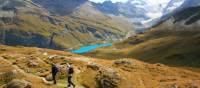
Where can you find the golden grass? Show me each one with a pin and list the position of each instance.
(175, 48)
(142, 75)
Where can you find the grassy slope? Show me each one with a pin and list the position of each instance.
(177, 48)
(169, 43)
(141, 75)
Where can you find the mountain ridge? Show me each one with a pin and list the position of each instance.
(57, 32)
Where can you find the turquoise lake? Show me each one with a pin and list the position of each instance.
(89, 48)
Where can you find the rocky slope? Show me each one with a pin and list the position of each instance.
(173, 42)
(30, 67)
(43, 24)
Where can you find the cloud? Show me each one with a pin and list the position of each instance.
(157, 2)
(154, 15)
(100, 1)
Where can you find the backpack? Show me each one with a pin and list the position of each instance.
(55, 70)
(70, 70)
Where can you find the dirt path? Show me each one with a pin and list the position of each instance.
(63, 84)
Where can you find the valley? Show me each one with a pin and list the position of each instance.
(132, 44)
(175, 42)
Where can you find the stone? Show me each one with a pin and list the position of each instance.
(189, 85)
(124, 64)
(94, 66)
(32, 63)
(51, 57)
(18, 84)
(43, 72)
(8, 76)
(49, 77)
(159, 65)
(108, 78)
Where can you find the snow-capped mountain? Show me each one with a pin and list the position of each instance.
(139, 12)
(172, 5)
(161, 12)
(145, 13)
(190, 3)
(175, 6)
(127, 9)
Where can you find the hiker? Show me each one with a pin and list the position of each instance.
(54, 71)
(70, 71)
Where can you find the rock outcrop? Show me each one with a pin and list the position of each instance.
(124, 64)
(94, 66)
(18, 84)
(108, 78)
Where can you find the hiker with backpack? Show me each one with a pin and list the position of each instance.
(70, 71)
(54, 71)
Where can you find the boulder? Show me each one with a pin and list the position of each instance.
(159, 65)
(125, 64)
(8, 76)
(43, 72)
(49, 77)
(18, 84)
(51, 57)
(32, 63)
(94, 66)
(169, 85)
(108, 78)
(189, 85)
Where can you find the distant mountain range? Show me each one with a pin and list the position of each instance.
(141, 13)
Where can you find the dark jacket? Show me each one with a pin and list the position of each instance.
(54, 70)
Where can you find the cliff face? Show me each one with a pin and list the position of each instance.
(43, 23)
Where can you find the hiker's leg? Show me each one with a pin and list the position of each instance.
(54, 78)
(68, 80)
(72, 82)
